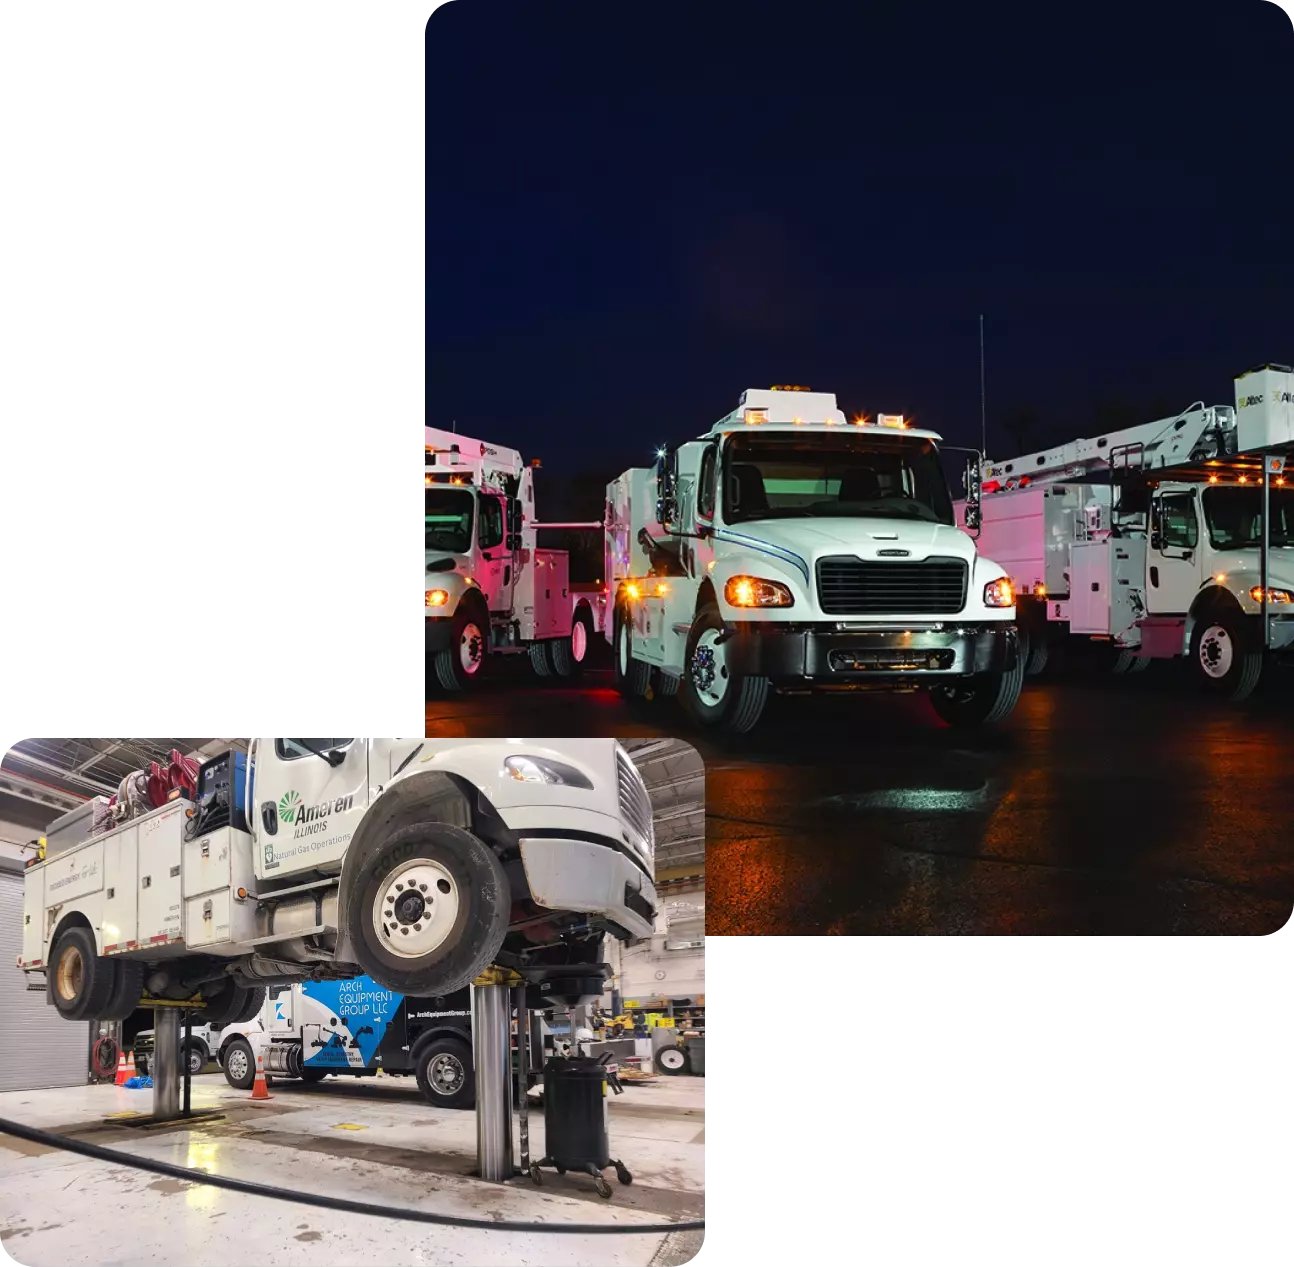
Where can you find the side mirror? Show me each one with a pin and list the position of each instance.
(1156, 541)
(972, 516)
(666, 488)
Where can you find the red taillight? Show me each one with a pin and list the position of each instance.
(990, 486)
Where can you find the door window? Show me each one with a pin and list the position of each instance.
(491, 529)
(293, 749)
(1179, 529)
(705, 485)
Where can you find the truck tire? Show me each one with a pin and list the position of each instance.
(196, 1054)
(461, 663)
(228, 1003)
(1223, 658)
(981, 700)
(239, 1063)
(81, 980)
(1126, 660)
(712, 695)
(427, 908)
(632, 676)
(539, 659)
(311, 1075)
(571, 654)
(125, 995)
(1039, 652)
(446, 1078)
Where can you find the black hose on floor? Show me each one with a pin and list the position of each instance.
(31, 1134)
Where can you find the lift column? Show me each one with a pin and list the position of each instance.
(492, 1057)
(167, 1068)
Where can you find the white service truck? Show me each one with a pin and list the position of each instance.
(1153, 539)
(791, 549)
(418, 862)
(489, 588)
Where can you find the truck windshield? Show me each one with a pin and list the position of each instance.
(1235, 516)
(449, 518)
(846, 474)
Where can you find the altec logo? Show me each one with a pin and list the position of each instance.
(1246, 401)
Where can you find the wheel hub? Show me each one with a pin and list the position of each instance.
(709, 669)
(237, 1061)
(416, 908)
(71, 973)
(471, 648)
(446, 1073)
(579, 641)
(1216, 652)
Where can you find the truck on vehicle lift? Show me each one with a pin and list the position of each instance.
(1172, 538)
(416, 862)
(789, 549)
(490, 589)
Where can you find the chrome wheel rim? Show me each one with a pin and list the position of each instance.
(709, 669)
(446, 1073)
(238, 1064)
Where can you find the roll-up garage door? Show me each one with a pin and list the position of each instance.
(40, 1049)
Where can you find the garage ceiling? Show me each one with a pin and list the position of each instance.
(675, 778)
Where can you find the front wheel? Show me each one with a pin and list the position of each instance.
(197, 1060)
(1222, 657)
(980, 700)
(461, 663)
(632, 676)
(427, 908)
(714, 693)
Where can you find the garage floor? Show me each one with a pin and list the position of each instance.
(374, 1140)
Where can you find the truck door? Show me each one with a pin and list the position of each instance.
(1173, 560)
(306, 806)
(496, 567)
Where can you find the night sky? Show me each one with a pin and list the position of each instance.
(634, 212)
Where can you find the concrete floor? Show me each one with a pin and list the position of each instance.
(375, 1140)
(1102, 805)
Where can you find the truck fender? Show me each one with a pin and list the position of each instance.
(1209, 600)
(427, 796)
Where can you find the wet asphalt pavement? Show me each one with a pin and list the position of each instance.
(1102, 805)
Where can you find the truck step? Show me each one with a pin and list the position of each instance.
(274, 894)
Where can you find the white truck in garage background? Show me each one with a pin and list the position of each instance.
(417, 862)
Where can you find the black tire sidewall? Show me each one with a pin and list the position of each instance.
(98, 976)
(480, 925)
(426, 1051)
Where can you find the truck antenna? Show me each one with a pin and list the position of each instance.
(983, 416)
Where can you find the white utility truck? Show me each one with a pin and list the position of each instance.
(418, 862)
(1154, 540)
(789, 549)
(489, 588)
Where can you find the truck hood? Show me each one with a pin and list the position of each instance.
(865, 538)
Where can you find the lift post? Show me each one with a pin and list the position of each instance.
(492, 1057)
(166, 1064)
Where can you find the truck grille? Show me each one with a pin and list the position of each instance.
(143, 1044)
(635, 805)
(856, 587)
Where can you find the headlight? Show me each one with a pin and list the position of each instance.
(999, 593)
(437, 598)
(1273, 596)
(754, 591)
(544, 770)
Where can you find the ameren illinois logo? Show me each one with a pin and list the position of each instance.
(312, 819)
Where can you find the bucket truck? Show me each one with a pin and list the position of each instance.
(417, 862)
(1171, 538)
(788, 549)
(489, 588)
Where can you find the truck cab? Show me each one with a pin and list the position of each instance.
(489, 588)
(790, 547)
(417, 862)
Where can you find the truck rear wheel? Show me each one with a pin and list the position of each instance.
(81, 979)
(459, 664)
(445, 1075)
(569, 655)
(539, 659)
(1222, 656)
(980, 700)
(632, 676)
(125, 995)
(228, 1003)
(712, 692)
(427, 908)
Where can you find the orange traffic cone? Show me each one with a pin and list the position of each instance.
(259, 1090)
(122, 1072)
